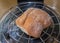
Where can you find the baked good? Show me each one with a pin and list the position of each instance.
(33, 21)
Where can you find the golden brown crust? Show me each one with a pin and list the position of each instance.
(22, 18)
(34, 21)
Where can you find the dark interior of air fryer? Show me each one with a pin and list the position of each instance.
(49, 35)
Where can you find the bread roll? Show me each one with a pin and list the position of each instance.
(33, 21)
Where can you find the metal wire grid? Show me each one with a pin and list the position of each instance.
(45, 32)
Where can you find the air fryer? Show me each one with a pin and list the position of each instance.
(10, 33)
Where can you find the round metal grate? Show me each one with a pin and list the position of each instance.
(49, 35)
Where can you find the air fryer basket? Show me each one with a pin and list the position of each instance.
(12, 34)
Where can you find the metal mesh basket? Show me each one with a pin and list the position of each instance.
(10, 33)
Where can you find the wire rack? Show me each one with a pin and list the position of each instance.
(12, 32)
